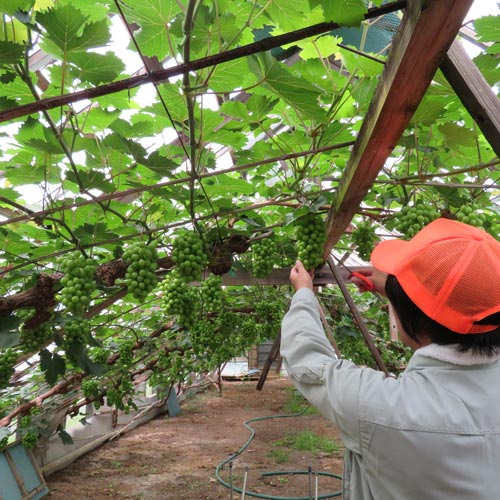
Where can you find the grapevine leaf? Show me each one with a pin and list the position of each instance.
(296, 92)
(97, 68)
(65, 437)
(488, 28)
(345, 12)
(53, 366)
(10, 53)
(9, 334)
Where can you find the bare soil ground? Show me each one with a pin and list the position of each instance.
(176, 458)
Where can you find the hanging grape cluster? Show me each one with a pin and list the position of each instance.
(189, 256)
(32, 339)
(365, 239)
(213, 297)
(140, 276)
(311, 236)
(78, 282)
(126, 350)
(413, 218)
(121, 396)
(90, 388)
(76, 336)
(30, 439)
(7, 359)
(178, 299)
(264, 257)
(470, 213)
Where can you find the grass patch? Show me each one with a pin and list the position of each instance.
(308, 441)
(278, 456)
(296, 403)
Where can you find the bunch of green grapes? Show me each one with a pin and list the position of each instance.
(470, 214)
(8, 357)
(269, 314)
(178, 299)
(32, 339)
(78, 282)
(413, 218)
(76, 333)
(264, 257)
(4, 442)
(100, 355)
(311, 236)
(189, 255)
(30, 439)
(365, 238)
(126, 350)
(90, 388)
(213, 296)
(140, 276)
(120, 397)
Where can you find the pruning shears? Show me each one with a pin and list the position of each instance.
(367, 281)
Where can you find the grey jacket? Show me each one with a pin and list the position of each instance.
(432, 433)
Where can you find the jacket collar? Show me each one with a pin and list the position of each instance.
(450, 354)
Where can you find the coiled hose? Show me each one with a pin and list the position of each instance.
(266, 474)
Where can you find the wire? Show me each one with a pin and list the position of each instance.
(268, 474)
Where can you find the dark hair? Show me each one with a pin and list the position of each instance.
(416, 323)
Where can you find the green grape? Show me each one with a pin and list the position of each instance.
(470, 213)
(189, 256)
(30, 439)
(78, 282)
(213, 296)
(126, 350)
(413, 218)
(178, 299)
(8, 357)
(140, 276)
(365, 239)
(264, 257)
(311, 236)
(90, 388)
(100, 355)
(32, 339)
(77, 333)
(3, 443)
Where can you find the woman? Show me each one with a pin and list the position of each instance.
(434, 432)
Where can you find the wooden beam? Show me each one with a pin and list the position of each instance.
(322, 276)
(474, 91)
(427, 30)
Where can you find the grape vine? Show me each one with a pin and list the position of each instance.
(365, 239)
(7, 359)
(78, 282)
(189, 256)
(264, 257)
(310, 235)
(140, 276)
(413, 218)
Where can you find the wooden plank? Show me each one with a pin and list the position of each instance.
(427, 30)
(322, 276)
(474, 92)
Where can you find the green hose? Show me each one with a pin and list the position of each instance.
(268, 497)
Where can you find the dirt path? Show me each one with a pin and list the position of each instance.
(176, 458)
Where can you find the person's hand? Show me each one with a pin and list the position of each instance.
(378, 278)
(300, 277)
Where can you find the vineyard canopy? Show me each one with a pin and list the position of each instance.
(146, 120)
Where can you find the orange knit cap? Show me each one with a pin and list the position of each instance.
(450, 270)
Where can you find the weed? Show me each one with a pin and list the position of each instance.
(308, 441)
(278, 456)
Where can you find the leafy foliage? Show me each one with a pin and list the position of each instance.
(230, 150)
